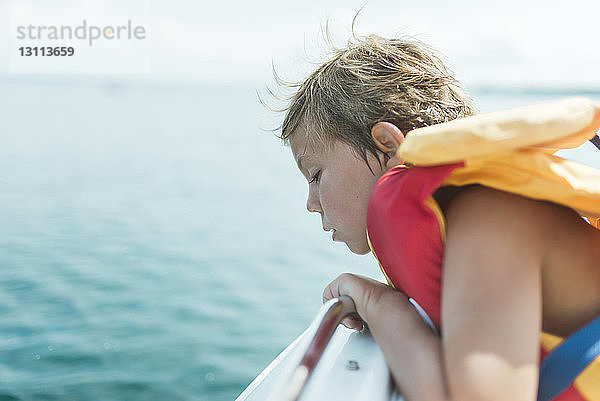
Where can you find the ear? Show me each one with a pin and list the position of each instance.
(388, 138)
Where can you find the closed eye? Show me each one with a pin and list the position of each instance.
(315, 177)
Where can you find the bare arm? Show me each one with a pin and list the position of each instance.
(491, 301)
(412, 350)
(491, 305)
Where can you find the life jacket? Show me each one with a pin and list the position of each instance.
(511, 151)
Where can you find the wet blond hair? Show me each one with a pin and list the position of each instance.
(401, 81)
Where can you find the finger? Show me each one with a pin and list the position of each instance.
(353, 323)
(327, 293)
(339, 286)
(332, 290)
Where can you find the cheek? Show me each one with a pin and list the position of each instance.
(342, 198)
(331, 195)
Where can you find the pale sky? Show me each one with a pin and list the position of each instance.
(512, 42)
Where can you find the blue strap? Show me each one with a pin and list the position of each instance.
(596, 140)
(567, 360)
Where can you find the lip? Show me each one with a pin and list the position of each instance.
(332, 232)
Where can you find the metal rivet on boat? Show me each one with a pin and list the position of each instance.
(352, 365)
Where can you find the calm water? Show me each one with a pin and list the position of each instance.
(153, 241)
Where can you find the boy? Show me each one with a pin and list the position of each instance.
(504, 257)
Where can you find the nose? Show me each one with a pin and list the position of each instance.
(313, 203)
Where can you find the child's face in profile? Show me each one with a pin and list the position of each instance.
(339, 188)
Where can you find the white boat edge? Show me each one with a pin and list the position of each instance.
(351, 368)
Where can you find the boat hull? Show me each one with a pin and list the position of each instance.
(352, 367)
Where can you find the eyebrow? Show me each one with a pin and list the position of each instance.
(299, 161)
(303, 157)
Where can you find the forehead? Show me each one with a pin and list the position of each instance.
(307, 144)
(303, 148)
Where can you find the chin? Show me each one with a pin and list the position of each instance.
(359, 249)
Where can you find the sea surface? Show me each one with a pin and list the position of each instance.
(154, 243)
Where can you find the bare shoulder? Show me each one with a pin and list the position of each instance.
(479, 213)
(511, 266)
(540, 234)
(509, 211)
